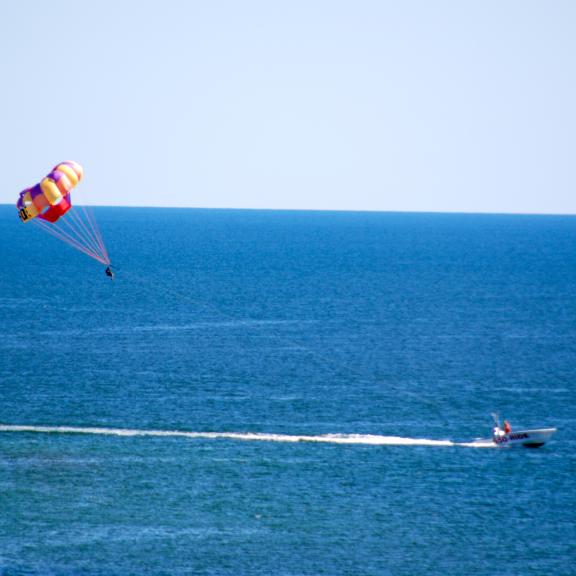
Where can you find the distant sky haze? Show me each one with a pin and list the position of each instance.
(368, 105)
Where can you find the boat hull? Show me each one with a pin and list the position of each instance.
(526, 438)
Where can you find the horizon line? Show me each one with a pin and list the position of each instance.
(343, 210)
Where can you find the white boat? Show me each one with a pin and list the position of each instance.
(528, 438)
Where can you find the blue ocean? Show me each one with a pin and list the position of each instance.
(289, 394)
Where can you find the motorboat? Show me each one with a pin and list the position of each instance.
(504, 437)
(528, 438)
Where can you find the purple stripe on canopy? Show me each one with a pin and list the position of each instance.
(35, 191)
(56, 175)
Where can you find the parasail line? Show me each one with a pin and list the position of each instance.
(60, 234)
(72, 228)
(96, 231)
(67, 239)
(83, 235)
(95, 244)
(94, 225)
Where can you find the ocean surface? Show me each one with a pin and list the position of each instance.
(288, 394)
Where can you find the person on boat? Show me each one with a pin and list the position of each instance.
(109, 272)
(507, 427)
(497, 432)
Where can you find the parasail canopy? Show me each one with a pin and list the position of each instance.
(49, 205)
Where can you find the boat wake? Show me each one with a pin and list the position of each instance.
(365, 439)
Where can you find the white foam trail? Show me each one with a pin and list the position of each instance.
(367, 439)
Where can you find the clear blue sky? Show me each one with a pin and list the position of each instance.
(361, 105)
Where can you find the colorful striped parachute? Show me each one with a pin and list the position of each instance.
(49, 204)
